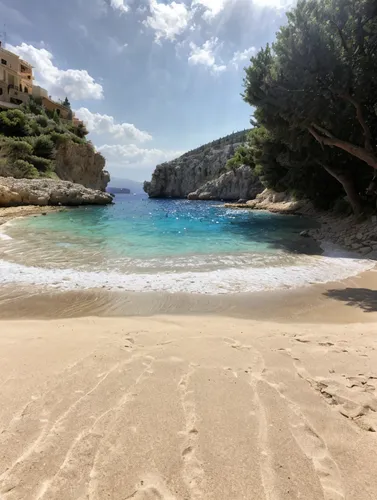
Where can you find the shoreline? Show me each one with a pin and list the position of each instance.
(346, 231)
(10, 213)
(113, 298)
(351, 300)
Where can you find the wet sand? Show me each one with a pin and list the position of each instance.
(266, 396)
(347, 301)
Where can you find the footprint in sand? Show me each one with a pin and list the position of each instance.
(151, 487)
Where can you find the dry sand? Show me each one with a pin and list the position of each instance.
(187, 408)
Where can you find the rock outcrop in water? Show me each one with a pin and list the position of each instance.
(80, 163)
(42, 192)
(202, 174)
(232, 185)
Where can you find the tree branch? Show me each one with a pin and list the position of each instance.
(325, 140)
(323, 131)
(360, 116)
(340, 33)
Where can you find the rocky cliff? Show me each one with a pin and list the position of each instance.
(230, 186)
(79, 163)
(186, 174)
(43, 192)
(178, 178)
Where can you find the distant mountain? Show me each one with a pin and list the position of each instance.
(133, 186)
(115, 190)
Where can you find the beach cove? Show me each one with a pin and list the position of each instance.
(267, 394)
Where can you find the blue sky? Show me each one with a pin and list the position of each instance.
(152, 78)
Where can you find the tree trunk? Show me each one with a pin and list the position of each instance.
(349, 187)
(363, 154)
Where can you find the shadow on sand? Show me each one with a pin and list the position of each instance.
(365, 298)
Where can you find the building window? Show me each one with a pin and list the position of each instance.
(3, 61)
(1, 91)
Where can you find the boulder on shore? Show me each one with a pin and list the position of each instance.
(42, 192)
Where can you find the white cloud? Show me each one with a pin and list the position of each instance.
(205, 55)
(167, 20)
(75, 83)
(213, 7)
(132, 156)
(241, 57)
(119, 5)
(105, 124)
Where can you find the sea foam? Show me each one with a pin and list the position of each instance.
(225, 281)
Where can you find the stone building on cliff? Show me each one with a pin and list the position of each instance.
(16, 86)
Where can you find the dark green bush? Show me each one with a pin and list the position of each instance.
(44, 147)
(23, 168)
(43, 165)
(17, 150)
(42, 120)
(14, 123)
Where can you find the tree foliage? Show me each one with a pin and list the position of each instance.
(315, 94)
(66, 103)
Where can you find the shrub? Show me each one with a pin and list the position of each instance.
(22, 168)
(14, 123)
(56, 117)
(59, 138)
(77, 140)
(44, 147)
(81, 130)
(18, 150)
(43, 165)
(42, 120)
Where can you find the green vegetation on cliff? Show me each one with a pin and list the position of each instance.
(234, 138)
(29, 138)
(315, 97)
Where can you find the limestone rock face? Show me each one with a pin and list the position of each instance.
(178, 178)
(79, 163)
(230, 186)
(14, 192)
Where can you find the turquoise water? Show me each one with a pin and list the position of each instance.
(143, 244)
(143, 229)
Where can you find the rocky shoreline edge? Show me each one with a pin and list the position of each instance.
(46, 192)
(349, 232)
(28, 197)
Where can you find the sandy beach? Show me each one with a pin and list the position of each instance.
(158, 396)
(193, 406)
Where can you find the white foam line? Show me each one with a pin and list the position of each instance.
(230, 280)
(4, 236)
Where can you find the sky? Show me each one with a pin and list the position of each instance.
(151, 78)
